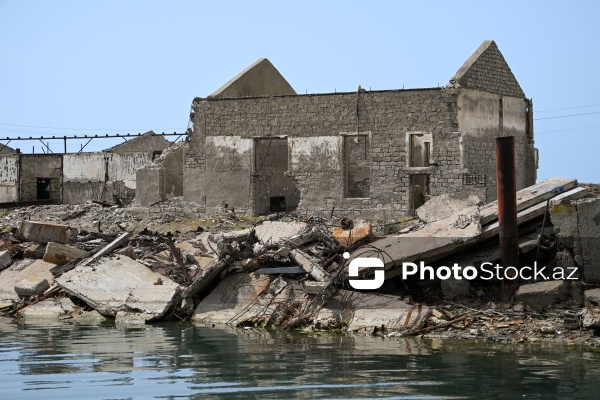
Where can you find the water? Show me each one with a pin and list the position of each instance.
(181, 361)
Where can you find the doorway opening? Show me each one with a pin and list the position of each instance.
(43, 189)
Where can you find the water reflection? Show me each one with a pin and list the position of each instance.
(185, 361)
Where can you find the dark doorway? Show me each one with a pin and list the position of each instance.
(419, 191)
(43, 189)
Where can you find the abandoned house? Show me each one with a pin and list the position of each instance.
(78, 177)
(259, 147)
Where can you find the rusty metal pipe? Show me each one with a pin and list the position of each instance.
(506, 180)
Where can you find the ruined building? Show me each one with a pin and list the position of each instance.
(260, 147)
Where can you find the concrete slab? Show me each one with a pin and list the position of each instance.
(538, 296)
(532, 195)
(11, 276)
(52, 309)
(443, 206)
(31, 286)
(61, 254)
(276, 231)
(35, 250)
(121, 284)
(43, 232)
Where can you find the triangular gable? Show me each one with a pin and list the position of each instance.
(259, 79)
(487, 70)
(148, 142)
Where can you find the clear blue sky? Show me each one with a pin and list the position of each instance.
(132, 66)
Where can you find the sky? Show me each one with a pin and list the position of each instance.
(107, 67)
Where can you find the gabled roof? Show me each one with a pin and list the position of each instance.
(487, 70)
(6, 149)
(259, 79)
(148, 142)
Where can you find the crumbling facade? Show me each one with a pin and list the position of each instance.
(78, 177)
(259, 147)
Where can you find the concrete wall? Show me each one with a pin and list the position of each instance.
(9, 178)
(34, 166)
(484, 116)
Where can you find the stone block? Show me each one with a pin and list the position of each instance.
(42, 232)
(35, 250)
(61, 254)
(31, 286)
(538, 296)
(5, 259)
(13, 275)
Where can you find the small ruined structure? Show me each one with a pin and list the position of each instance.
(259, 147)
(74, 178)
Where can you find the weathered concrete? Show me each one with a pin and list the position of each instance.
(310, 265)
(121, 284)
(276, 231)
(35, 250)
(444, 205)
(147, 143)
(31, 286)
(43, 232)
(238, 297)
(538, 296)
(9, 178)
(577, 224)
(348, 237)
(261, 78)
(11, 276)
(593, 296)
(50, 309)
(61, 254)
(5, 259)
(351, 153)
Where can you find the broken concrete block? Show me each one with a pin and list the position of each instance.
(5, 259)
(13, 275)
(132, 318)
(347, 237)
(35, 250)
(452, 288)
(593, 296)
(42, 232)
(61, 254)
(311, 265)
(126, 251)
(538, 296)
(443, 206)
(121, 283)
(591, 318)
(577, 224)
(52, 309)
(276, 231)
(31, 286)
(283, 251)
(88, 318)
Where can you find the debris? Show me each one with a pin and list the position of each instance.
(35, 250)
(42, 232)
(109, 248)
(122, 284)
(348, 237)
(17, 272)
(310, 265)
(538, 296)
(443, 206)
(276, 231)
(61, 254)
(5, 259)
(50, 309)
(31, 285)
(592, 296)
(280, 270)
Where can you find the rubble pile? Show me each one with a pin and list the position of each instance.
(291, 272)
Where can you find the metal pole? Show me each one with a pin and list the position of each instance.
(506, 179)
(506, 182)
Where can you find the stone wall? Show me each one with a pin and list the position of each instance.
(315, 125)
(9, 178)
(35, 167)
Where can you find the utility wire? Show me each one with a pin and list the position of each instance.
(82, 129)
(568, 108)
(566, 116)
(569, 129)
